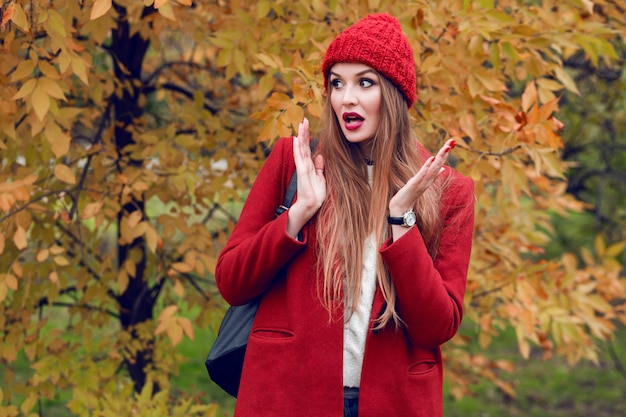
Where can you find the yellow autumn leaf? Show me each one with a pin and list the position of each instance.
(529, 97)
(296, 115)
(48, 70)
(122, 281)
(279, 101)
(612, 251)
(63, 173)
(152, 238)
(159, 3)
(59, 141)
(61, 260)
(565, 79)
(167, 11)
(26, 89)
(24, 69)
(28, 403)
(40, 101)
(80, 69)
(99, 9)
(182, 267)
(19, 238)
(51, 88)
(19, 18)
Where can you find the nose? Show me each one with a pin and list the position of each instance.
(349, 96)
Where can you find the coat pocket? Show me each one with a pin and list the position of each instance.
(272, 334)
(422, 367)
(422, 362)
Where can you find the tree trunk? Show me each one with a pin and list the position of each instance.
(137, 302)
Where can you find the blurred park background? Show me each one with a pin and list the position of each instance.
(131, 131)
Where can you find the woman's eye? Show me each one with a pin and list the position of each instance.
(366, 82)
(336, 83)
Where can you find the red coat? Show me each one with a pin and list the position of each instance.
(294, 359)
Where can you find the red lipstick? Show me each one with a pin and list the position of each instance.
(352, 121)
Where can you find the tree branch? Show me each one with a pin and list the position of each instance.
(32, 201)
(491, 153)
(189, 95)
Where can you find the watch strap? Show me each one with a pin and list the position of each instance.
(395, 220)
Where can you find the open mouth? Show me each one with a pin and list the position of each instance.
(352, 121)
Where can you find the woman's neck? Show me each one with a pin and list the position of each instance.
(367, 149)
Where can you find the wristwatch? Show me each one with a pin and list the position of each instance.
(407, 220)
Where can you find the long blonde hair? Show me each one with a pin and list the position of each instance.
(353, 210)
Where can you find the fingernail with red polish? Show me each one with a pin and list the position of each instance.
(447, 149)
(452, 144)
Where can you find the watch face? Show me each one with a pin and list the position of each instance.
(409, 218)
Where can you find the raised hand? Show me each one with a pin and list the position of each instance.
(408, 195)
(311, 182)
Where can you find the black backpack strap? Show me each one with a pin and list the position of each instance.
(290, 194)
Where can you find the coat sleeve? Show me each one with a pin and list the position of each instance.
(430, 293)
(259, 246)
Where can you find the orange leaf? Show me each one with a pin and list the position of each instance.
(100, 7)
(42, 255)
(178, 288)
(279, 101)
(92, 209)
(529, 97)
(185, 324)
(8, 14)
(19, 238)
(11, 281)
(64, 173)
(175, 333)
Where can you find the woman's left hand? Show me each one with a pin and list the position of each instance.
(407, 196)
(311, 182)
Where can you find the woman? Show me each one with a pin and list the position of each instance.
(363, 278)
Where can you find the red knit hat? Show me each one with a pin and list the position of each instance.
(376, 41)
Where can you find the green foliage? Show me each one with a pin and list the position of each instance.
(127, 129)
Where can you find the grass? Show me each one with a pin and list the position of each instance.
(549, 388)
(193, 376)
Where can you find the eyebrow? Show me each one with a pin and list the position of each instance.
(358, 74)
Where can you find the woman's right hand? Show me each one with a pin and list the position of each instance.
(311, 182)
